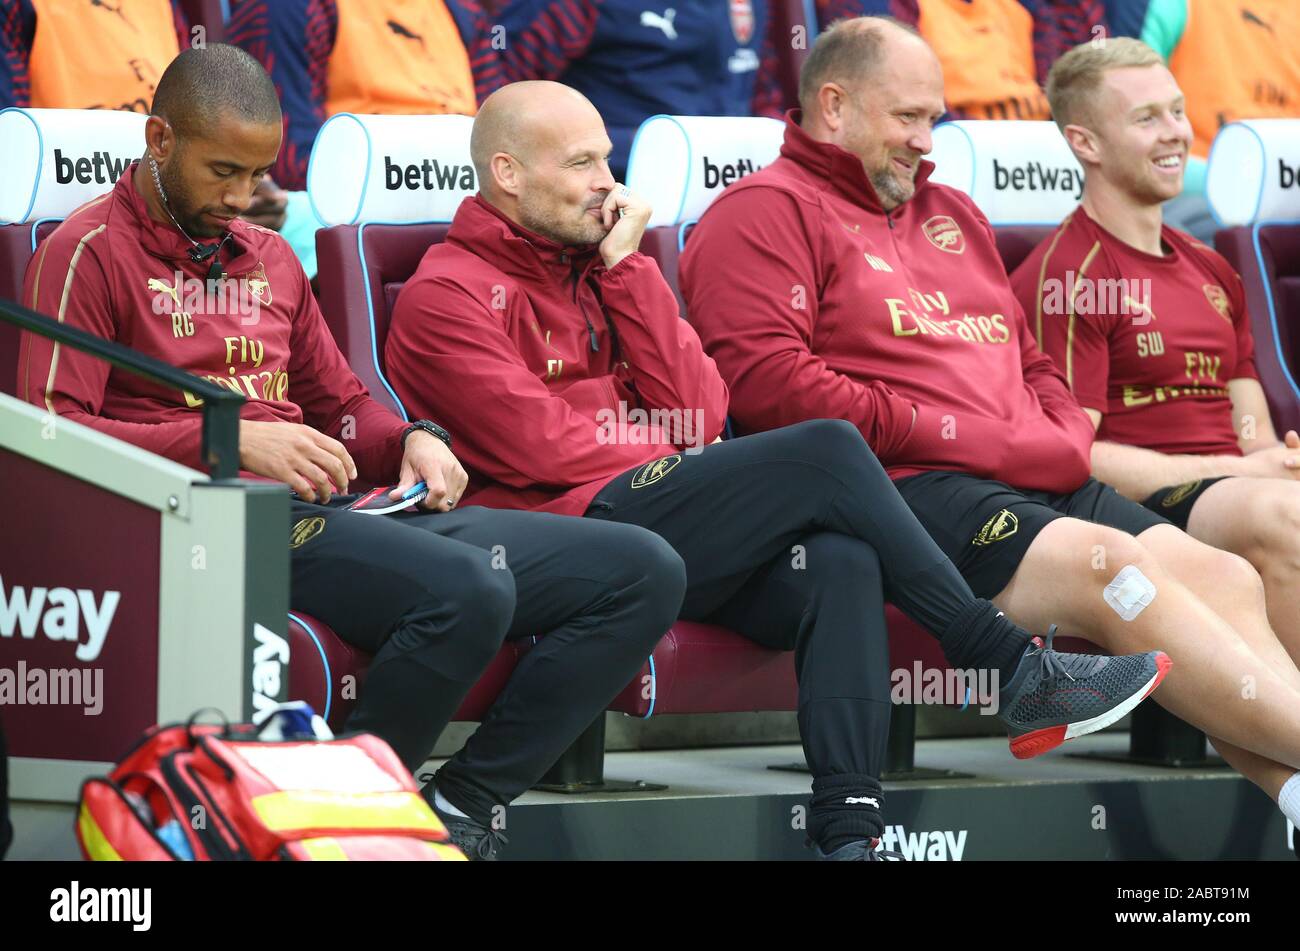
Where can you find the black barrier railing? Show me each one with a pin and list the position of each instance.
(220, 447)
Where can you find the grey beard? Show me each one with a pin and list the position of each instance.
(887, 186)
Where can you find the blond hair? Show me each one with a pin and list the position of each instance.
(1074, 79)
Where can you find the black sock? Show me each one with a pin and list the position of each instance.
(981, 638)
(845, 808)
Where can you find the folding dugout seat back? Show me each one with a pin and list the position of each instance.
(384, 188)
(54, 161)
(1017, 242)
(1253, 187)
(362, 268)
(1021, 174)
(681, 163)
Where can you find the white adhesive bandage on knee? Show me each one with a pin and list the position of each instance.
(1288, 799)
(1130, 592)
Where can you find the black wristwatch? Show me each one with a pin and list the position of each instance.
(430, 427)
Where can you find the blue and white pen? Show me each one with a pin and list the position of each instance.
(415, 492)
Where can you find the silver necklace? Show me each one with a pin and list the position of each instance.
(199, 252)
(157, 183)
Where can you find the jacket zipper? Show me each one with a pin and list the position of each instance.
(591, 330)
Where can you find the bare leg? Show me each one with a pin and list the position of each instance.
(1061, 581)
(1203, 569)
(1259, 519)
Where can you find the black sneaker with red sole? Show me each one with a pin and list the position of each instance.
(1055, 697)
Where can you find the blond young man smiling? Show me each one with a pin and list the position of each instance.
(1168, 376)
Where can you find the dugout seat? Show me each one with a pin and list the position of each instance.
(980, 159)
(679, 164)
(34, 199)
(329, 673)
(17, 245)
(1267, 256)
(1017, 242)
(665, 245)
(361, 269)
(1251, 189)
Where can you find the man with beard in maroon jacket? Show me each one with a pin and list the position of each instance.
(582, 392)
(911, 331)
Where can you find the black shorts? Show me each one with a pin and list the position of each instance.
(986, 527)
(1175, 502)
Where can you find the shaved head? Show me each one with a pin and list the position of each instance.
(523, 118)
(202, 83)
(541, 152)
(213, 132)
